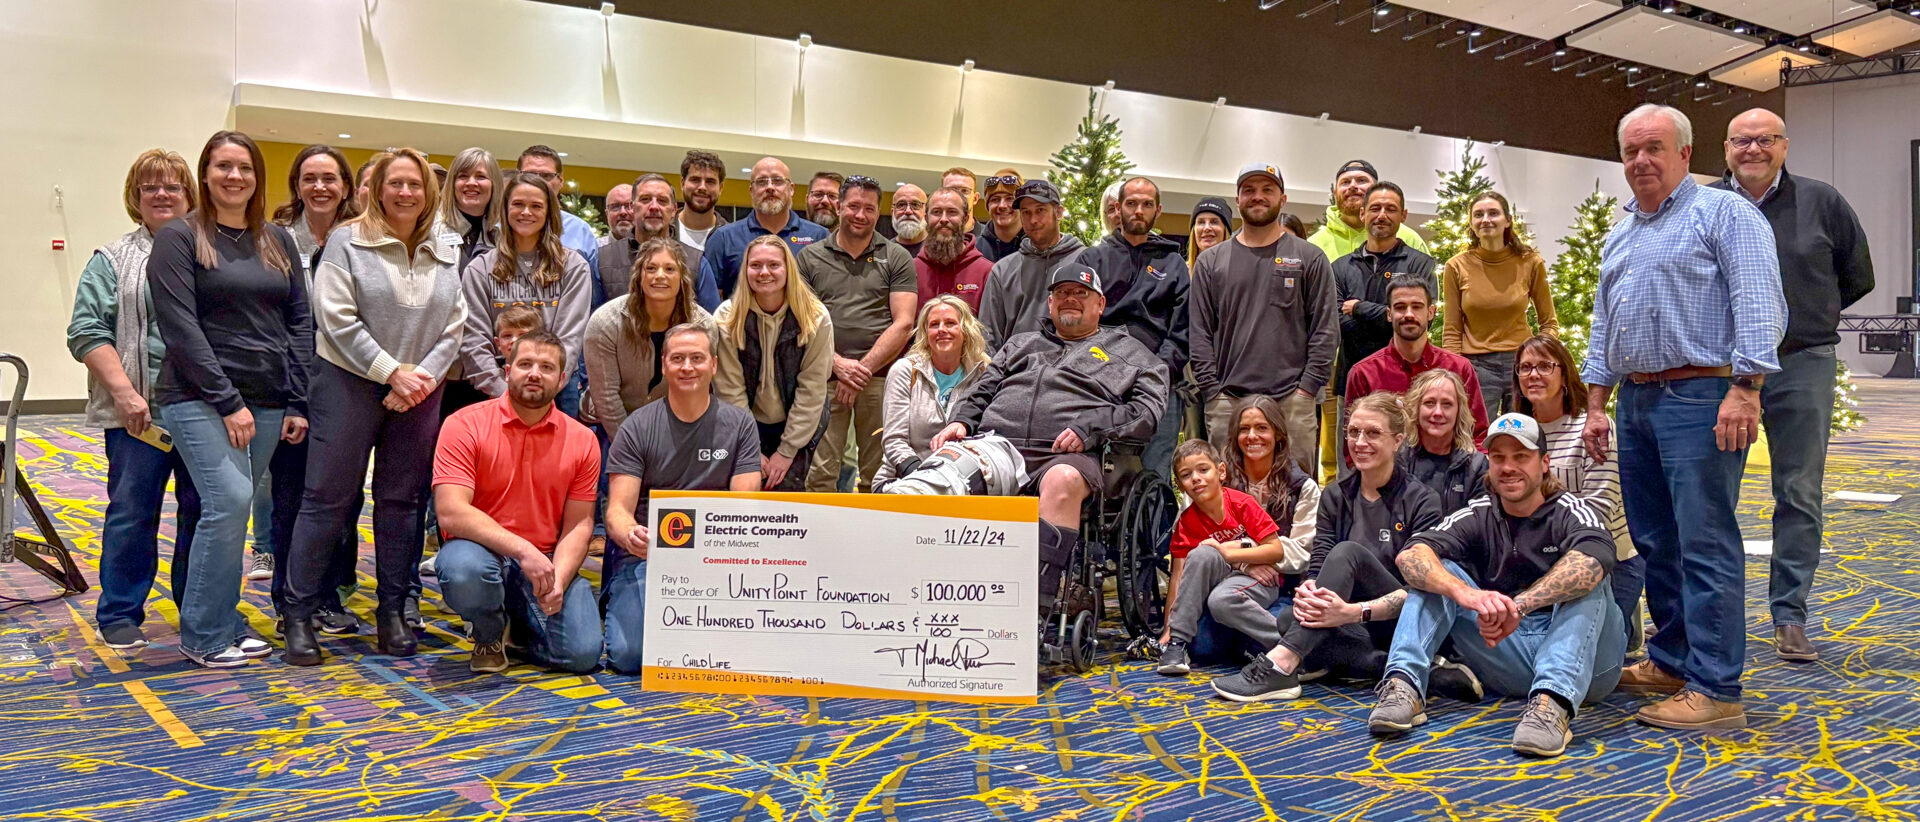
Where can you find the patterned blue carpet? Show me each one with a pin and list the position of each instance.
(87, 734)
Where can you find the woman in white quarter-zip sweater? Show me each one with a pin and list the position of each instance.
(388, 313)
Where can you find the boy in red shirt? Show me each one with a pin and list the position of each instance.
(1224, 549)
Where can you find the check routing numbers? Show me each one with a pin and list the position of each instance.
(775, 592)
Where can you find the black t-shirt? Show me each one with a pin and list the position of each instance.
(659, 345)
(1509, 554)
(1373, 526)
(668, 454)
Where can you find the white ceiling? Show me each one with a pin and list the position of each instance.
(1791, 16)
(1872, 34)
(1760, 71)
(1543, 19)
(1668, 41)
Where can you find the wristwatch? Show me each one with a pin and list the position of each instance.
(1751, 382)
(1366, 613)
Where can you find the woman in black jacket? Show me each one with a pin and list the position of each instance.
(1440, 454)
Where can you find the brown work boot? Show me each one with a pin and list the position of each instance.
(1691, 710)
(1791, 644)
(488, 657)
(1644, 678)
(597, 546)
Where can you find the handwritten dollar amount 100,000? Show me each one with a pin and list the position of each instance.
(985, 593)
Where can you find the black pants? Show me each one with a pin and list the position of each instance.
(289, 469)
(1357, 574)
(796, 479)
(347, 422)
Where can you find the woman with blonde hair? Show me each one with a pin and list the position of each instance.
(1442, 454)
(115, 333)
(776, 354)
(625, 336)
(471, 202)
(1487, 290)
(948, 355)
(531, 268)
(388, 312)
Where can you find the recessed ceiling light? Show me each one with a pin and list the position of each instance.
(1633, 69)
(1739, 29)
(563, 154)
(1806, 48)
(1383, 11)
(746, 171)
(345, 136)
(1700, 84)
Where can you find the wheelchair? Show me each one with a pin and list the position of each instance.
(1125, 531)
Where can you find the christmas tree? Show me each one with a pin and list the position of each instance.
(579, 205)
(1846, 401)
(1451, 230)
(1084, 168)
(1575, 274)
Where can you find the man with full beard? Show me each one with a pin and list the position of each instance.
(772, 189)
(823, 198)
(1015, 299)
(1263, 318)
(910, 217)
(701, 175)
(951, 261)
(652, 218)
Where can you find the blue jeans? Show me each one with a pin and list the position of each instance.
(129, 541)
(1158, 455)
(489, 593)
(1572, 650)
(1680, 490)
(623, 593)
(1796, 405)
(210, 619)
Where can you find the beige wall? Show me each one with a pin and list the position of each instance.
(97, 81)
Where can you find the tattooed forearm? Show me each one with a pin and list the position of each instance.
(1420, 567)
(1388, 607)
(1573, 577)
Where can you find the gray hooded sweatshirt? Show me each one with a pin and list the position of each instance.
(1015, 299)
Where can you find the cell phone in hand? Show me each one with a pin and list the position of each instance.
(157, 437)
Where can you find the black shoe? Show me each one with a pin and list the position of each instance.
(412, 612)
(303, 647)
(1173, 659)
(337, 623)
(395, 637)
(1453, 681)
(1258, 682)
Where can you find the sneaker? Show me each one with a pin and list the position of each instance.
(1173, 660)
(1399, 710)
(335, 622)
(1454, 681)
(1644, 678)
(261, 568)
(1259, 681)
(1690, 710)
(411, 613)
(426, 565)
(253, 648)
(231, 657)
(1543, 728)
(123, 636)
(1310, 676)
(488, 657)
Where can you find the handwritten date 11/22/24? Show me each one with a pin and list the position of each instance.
(983, 536)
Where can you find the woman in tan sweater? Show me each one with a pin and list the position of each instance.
(1487, 289)
(624, 336)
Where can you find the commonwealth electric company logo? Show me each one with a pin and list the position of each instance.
(676, 529)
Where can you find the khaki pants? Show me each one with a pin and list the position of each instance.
(1302, 422)
(864, 417)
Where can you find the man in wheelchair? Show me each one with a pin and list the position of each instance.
(1057, 396)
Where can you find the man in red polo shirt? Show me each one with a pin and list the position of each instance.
(1410, 309)
(515, 484)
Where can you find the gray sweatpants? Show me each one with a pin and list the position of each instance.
(1235, 600)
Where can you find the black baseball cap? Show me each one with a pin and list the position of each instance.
(1039, 191)
(1079, 274)
(1356, 165)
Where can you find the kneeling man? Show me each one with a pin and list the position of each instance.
(515, 482)
(1520, 585)
(1058, 394)
(688, 442)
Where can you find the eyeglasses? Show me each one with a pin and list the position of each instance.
(907, 205)
(151, 189)
(1763, 141)
(1008, 180)
(1536, 367)
(1367, 434)
(770, 182)
(549, 176)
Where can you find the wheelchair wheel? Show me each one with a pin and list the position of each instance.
(1082, 637)
(1145, 566)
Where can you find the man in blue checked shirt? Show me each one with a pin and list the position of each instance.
(1687, 321)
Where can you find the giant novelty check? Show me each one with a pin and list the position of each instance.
(849, 595)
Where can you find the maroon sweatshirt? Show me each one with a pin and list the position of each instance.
(965, 277)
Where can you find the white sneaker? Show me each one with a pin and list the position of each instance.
(232, 657)
(254, 648)
(426, 566)
(261, 568)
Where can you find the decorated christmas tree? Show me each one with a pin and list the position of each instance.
(1451, 230)
(1084, 168)
(1846, 401)
(579, 205)
(1575, 274)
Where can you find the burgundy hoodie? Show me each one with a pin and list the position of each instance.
(965, 277)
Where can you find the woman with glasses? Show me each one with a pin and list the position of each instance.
(115, 333)
(231, 298)
(1441, 455)
(1353, 593)
(776, 353)
(530, 268)
(389, 311)
(1547, 387)
(1487, 290)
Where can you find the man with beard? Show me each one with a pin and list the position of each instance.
(951, 261)
(1345, 229)
(1000, 235)
(909, 217)
(652, 217)
(701, 174)
(772, 214)
(868, 286)
(823, 198)
(514, 484)
(961, 178)
(1363, 278)
(1410, 310)
(1518, 581)
(1263, 318)
(1015, 299)
(1146, 283)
